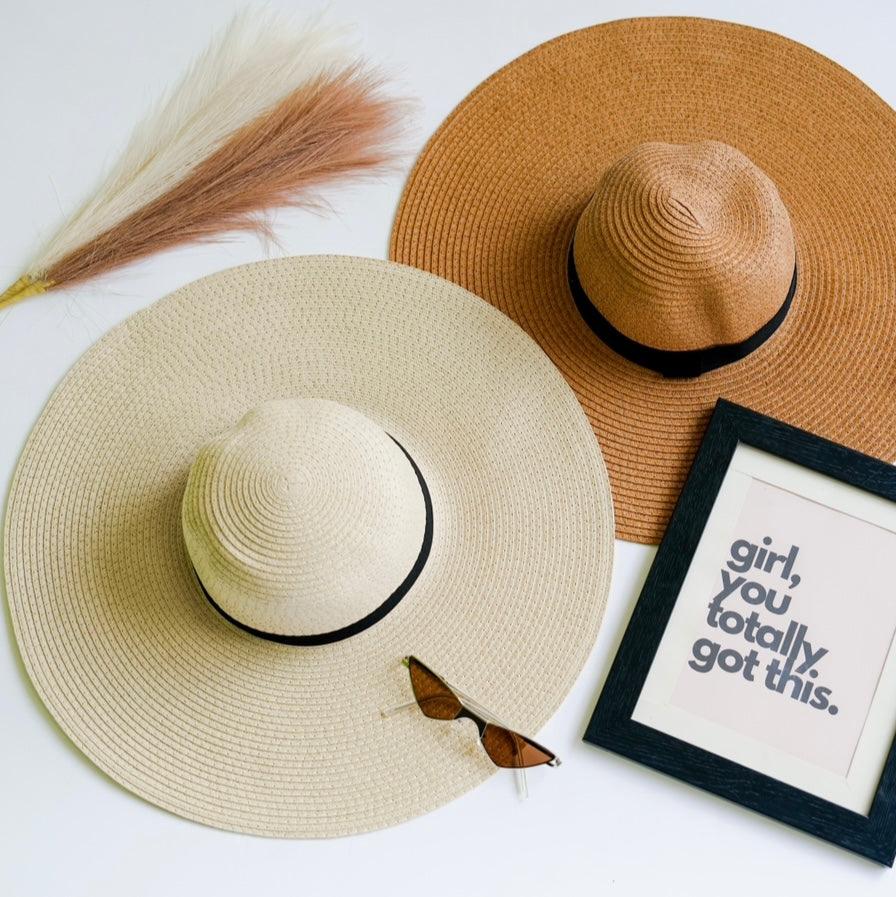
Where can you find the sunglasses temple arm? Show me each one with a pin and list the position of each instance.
(391, 711)
(385, 714)
(487, 714)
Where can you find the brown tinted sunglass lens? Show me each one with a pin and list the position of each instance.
(512, 751)
(436, 700)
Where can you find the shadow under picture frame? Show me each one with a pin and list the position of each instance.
(760, 661)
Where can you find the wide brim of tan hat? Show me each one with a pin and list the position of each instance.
(223, 727)
(495, 196)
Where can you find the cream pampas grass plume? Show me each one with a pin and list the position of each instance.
(266, 117)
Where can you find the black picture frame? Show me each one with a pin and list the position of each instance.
(612, 726)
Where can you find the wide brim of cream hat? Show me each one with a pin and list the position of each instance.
(228, 729)
(494, 199)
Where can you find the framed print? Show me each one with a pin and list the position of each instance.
(759, 662)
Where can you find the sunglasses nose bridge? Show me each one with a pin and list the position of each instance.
(478, 720)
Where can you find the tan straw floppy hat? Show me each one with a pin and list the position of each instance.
(677, 209)
(246, 504)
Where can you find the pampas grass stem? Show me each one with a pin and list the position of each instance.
(267, 117)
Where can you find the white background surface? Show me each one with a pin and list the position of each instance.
(76, 76)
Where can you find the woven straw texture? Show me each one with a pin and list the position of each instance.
(231, 730)
(685, 246)
(495, 197)
(303, 518)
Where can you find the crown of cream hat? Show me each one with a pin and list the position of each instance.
(306, 520)
(247, 503)
(676, 209)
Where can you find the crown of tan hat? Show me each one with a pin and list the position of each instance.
(260, 433)
(685, 246)
(696, 165)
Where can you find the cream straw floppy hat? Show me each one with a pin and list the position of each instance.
(246, 504)
(677, 210)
